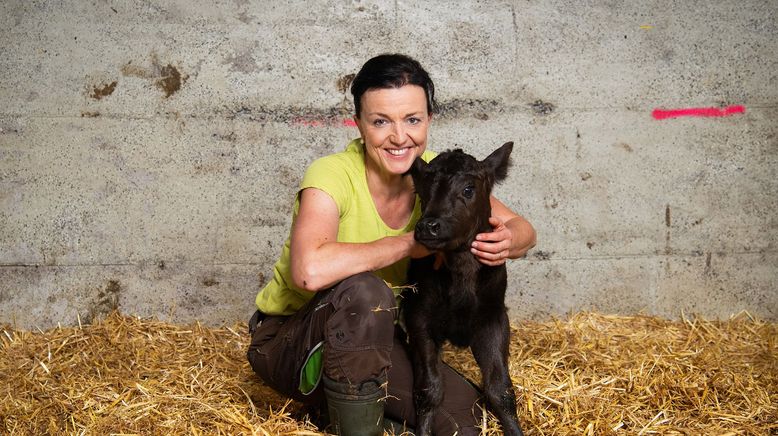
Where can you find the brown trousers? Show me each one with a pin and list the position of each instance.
(355, 320)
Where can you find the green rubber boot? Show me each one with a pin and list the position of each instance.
(355, 410)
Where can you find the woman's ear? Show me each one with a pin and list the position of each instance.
(355, 117)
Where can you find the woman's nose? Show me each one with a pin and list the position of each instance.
(398, 135)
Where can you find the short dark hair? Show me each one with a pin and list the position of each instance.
(392, 71)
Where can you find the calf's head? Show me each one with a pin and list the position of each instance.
(454, 190)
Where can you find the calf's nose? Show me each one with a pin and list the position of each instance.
(428, 226)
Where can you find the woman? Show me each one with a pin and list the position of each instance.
(329, 312)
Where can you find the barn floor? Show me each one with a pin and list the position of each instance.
(587, 374)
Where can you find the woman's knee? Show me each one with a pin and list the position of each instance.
(359, 332)
(365, 292)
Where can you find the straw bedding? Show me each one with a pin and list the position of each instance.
(587, 374)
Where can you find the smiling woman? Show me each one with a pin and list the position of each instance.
(328, 315)
(394, 126)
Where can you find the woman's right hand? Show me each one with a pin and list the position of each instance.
(417, 250)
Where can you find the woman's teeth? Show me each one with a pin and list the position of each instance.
(397, 151)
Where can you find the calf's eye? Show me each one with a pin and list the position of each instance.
(468, 192)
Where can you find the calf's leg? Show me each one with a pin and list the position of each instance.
(490, 349)
(427, 391)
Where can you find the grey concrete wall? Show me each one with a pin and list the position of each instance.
(150, 150)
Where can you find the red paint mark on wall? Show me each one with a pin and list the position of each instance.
(307, 123)
(661, 114)
(319, 122)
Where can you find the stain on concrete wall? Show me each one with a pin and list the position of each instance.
(343, 83)
(106, 301)
(100, 91)
(540, 107)
(166, 78)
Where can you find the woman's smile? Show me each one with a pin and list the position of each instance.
(397, 151)
(393, 123)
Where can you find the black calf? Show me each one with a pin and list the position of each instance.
(463, 300)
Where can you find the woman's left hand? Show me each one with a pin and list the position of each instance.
(493, 248)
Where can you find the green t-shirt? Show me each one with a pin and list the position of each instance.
(342, 176)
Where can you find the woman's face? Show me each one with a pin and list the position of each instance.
(393, 123)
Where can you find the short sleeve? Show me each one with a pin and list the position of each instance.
(329, 175)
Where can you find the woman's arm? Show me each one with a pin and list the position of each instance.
(319, 261)
(511, 236)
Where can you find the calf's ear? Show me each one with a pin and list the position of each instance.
(499, 161)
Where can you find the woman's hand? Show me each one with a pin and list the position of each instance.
(417, 250)
(493, 248)
(511, 236)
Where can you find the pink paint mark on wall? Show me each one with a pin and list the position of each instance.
(307, 123)
(661, 114)
(322, 122)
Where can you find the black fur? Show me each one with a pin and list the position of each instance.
(463, 301)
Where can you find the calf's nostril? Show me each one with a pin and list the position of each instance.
(427, 226)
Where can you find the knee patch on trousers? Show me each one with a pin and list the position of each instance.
(365, 291)
(359, 334)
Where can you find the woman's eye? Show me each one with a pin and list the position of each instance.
(414, 120)
(468, 192)
(379, 122)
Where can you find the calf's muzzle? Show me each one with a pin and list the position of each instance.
(427, 228)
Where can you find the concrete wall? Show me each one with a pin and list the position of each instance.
(150, 150)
